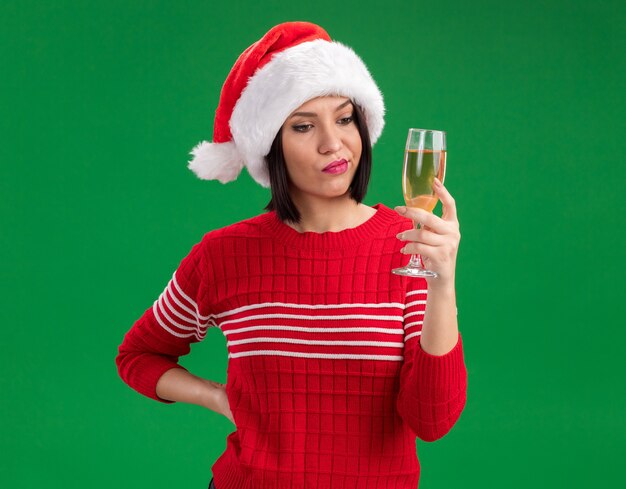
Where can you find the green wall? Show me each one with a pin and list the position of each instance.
(101, 103)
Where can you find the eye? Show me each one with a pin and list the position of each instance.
(346, 120)
(302, 127)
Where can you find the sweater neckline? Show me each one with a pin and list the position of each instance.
(330, 239)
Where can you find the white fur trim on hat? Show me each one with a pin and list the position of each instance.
(294, 76)
(216, 161)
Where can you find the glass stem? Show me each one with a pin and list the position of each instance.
(416, 260)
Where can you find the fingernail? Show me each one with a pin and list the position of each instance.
(400, 235)
(401, 209)
(437, 182)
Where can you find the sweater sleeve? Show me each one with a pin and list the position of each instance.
(433, 388)
(166, 330)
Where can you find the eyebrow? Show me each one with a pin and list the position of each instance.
(313, 114)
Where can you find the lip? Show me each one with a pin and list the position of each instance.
(338, 166)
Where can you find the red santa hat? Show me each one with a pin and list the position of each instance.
(291, 64)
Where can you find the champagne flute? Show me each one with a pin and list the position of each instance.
(424, 159)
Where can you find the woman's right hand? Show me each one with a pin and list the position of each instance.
(220, 400)
(177, 384)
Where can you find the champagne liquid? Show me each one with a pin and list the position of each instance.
(420, 169)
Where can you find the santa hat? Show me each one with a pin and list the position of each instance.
(291, 64)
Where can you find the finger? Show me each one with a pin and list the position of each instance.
(422, 236)
(425, 250)
(423, 217)
(447, 201)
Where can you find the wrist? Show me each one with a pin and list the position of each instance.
(441, 286)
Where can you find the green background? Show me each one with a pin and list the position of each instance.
(101, 103)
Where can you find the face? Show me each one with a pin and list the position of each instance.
(321, 148)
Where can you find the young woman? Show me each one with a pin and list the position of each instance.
(335, 365)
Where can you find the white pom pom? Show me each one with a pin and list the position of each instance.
(216, 161)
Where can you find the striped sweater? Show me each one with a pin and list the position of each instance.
(327, 382)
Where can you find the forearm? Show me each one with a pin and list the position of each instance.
(179, 385)
(440, 330)
(432, 391)
(433, 379)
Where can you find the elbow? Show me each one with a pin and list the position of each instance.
(430, 437)
(128, 360)
(122, 359)
(430, 433)
(432, 422)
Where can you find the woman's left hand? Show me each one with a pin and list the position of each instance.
(438, 239)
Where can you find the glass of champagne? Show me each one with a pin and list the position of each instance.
(424, 159)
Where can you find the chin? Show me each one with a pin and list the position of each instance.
(325, 192)
(337, 195)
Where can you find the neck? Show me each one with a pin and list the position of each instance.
(336, 214)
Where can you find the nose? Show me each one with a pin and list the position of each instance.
(330, 139)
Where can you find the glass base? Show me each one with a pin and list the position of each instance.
(414, 272)
(414, 269)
